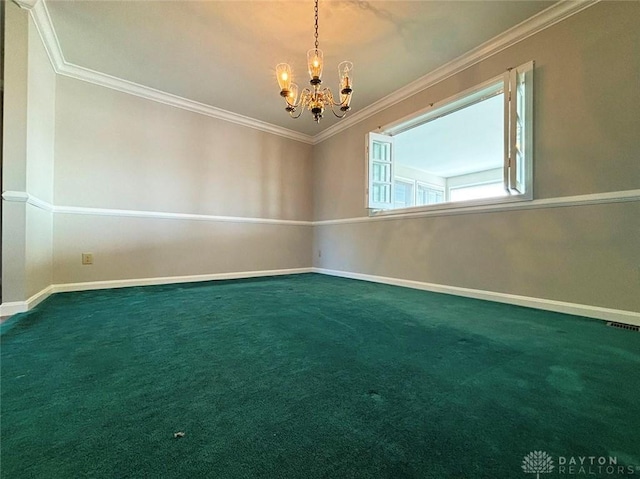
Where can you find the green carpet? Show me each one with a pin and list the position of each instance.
(309, 376)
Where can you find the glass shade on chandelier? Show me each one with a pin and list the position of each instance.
(314, 61)
(283, 72)
(344, 73)
(316, 99)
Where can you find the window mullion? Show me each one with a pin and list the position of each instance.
(513, 130)
(507, 129)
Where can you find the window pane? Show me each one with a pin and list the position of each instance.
(382, 172)
(427, 195)
(403, 196)
(377, 151)
(475, 192)
(381, 151)
(381, 193)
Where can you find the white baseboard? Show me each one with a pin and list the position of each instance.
(124, 283)
(14, 307)
(606, 314)
(8, 309)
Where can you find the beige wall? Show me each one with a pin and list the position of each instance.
(28, 139)
(118, 151)
(40, 162)
(38, 250)
(586, 140)
(115, 150)
(14, 152)
(14, 137)
(584, 255)
(139, 248)
(40, 119)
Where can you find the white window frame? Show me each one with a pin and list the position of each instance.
(430, 186)
(371, 139)
(471, 185)
(406, 181)
(513, 79)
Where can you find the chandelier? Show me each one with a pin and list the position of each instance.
(315, 99)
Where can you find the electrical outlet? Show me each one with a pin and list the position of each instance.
(87, 258)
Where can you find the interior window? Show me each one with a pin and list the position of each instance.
(474, 146)
(427, 194)
(403, 193)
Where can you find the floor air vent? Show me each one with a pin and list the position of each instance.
(630, 327)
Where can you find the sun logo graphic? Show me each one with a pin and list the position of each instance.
(537, 462)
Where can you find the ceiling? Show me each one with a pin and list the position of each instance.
(224, 53)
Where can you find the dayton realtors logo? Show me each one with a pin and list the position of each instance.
(539, 462)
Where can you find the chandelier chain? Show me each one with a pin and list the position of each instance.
(316, 19)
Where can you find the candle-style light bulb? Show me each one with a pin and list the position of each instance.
(314, 61)
(345, 75)
(283, 75)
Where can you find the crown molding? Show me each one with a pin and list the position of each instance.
(541, 21)
(531, 26)
(42, 21)
(26, 4)
(125, 86)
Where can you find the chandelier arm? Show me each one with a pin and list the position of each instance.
(335, 114)
(342, 103)
(345, 102)
(295, 117)
(329, 95)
